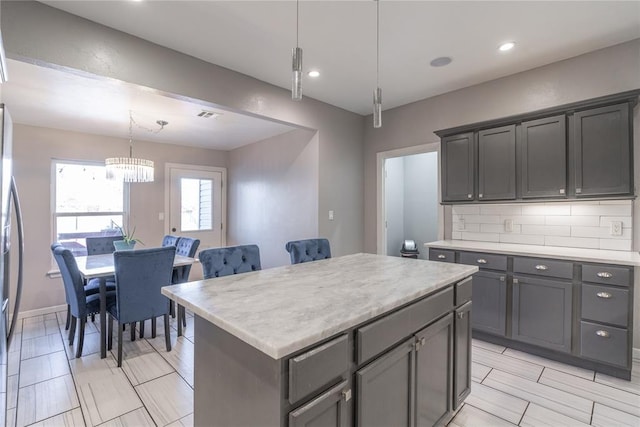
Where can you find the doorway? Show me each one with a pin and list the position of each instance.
(408, 199)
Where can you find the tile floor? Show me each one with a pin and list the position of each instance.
(48, 386)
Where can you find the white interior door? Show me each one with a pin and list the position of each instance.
(197, 204)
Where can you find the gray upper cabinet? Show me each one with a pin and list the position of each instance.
(603, 151)
(543, 158)
(458, 167)
(497, 163)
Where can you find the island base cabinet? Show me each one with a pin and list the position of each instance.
(462, 349)
(328, 410)
(434, 373)
(384, 389)
(490, 302)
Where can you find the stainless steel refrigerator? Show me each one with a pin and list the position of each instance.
(10, 284)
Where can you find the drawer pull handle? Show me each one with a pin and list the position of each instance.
(441, 256)
(469, 196)
(603, 334)
(541, 267)
(604, 275)
(481, 261)
(502, 278)
(516, 281)
(480, 195)
(346, 395)
(605, 295)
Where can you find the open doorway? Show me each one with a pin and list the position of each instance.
(409, 199)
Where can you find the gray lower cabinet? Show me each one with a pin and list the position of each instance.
(542, 312)
(327, 410)
(497, 163)
(543, 158)
(384, 394)
(490, 302)
(462, 350)
(603, 158)
(458, 167)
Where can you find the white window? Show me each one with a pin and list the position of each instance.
(85, 203)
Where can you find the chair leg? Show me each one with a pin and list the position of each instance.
(183, 314)
(119, 347)
(83, 321)
(72, 330)
(66, 327)
(167, 332)
(172, 308)
(93, 317)
(132, 325)
(110, 333)
(153, 327)
(142, 329)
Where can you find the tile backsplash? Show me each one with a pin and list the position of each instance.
(580, 224)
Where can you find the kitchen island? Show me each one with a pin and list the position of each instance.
(364, 339)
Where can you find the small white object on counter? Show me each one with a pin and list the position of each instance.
(285, 309)
(574, 254)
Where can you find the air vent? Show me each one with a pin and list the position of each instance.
(208, 114)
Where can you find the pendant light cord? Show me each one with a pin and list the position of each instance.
(297, 21)
(130, 134)
(377, 43)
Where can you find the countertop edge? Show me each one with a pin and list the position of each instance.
(580, 254)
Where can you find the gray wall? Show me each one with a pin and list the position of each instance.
(34, 32)
(394, 204)
(273, 194)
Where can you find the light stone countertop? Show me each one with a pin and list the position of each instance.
(282, 310)
(576, 254)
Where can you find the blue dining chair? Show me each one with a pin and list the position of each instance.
(66, 296)
(170, 240)
(80, 304)
(188, 247)
(139, 276)
(101, 244)
(308, 250)
(218, 262)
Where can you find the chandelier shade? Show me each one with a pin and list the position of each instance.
(131, 169)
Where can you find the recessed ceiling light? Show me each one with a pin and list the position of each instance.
(313, 73)
(506, 46)
(441, 61)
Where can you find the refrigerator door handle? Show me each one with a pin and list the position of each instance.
(16, 308)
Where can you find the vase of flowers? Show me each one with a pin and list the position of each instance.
(128, 240)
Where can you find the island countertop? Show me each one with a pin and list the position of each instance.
(282, 310)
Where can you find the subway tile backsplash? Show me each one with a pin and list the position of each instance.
(584, 224)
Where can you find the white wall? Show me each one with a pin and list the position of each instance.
(273, 194)
(421, 199)
(394, 204)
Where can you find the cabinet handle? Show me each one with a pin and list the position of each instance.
(461, 315)
(502, 279)
(516, 281)
(578, 190)
(469, 196)
(480, 195)
(562, 191)
(604, 275)
(603, 334)
(441, 256)
(605, 295)
(346, 395)
(541, 267)
(481, 261)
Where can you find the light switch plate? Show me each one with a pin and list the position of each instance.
(508, 225)
(330, 215)
(616, 228)
(460, 225)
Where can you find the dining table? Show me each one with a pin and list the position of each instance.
(101, 267)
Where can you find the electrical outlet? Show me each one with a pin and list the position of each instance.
(616, 228)
(330, 215)
(460, 225)
(508, 225)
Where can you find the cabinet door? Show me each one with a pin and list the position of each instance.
(458, 167)
(543, 165)
(384, 389)
(603, 164)
(326, 410)
(489, 302)
(542, 312)
(434, 372)
(497, 163)
(462, 350)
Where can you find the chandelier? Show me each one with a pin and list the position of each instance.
(131, 169)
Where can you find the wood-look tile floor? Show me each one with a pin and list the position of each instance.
(48, 386)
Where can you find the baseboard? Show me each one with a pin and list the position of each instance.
(41, 311)
(636, 353)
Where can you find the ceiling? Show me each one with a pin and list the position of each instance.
(338, 38)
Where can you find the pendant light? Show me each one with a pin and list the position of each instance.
(131, 169)
(377, 93)
(296, 63)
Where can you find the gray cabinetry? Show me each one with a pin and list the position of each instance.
(497, 163)
(462, 350)
(603, 159)
(434, 373)
(458, 167)
(490, 302)
(543, 158)
(327, 410)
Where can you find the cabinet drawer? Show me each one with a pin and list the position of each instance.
(463, 291)
(543, 267)
(604, 343)
(606, 274)
(441, 255)
(485, 261)
(605, 304)
(380, 335)
(310, 371)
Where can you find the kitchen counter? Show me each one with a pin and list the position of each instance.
(281, 310)
(575, 254)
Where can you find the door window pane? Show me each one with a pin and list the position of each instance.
(196, 209)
